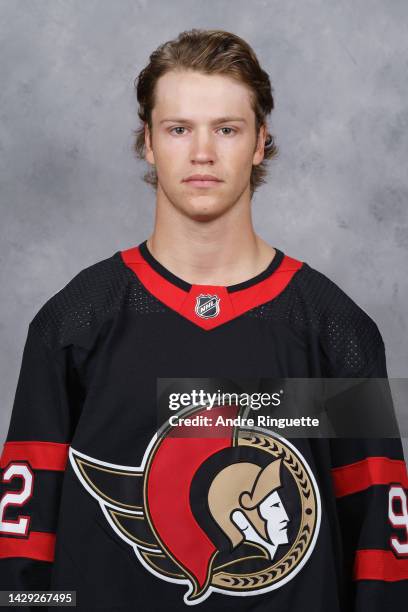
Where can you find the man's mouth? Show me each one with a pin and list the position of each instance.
(202, 180)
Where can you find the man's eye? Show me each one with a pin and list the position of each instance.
(276, 505)
(179, 127)
(228, 128)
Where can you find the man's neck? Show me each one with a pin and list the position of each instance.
(223, 251)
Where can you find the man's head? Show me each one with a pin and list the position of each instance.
(203, 102)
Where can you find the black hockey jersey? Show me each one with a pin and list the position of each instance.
(102, 495)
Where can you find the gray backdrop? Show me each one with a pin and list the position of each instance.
(71, 192)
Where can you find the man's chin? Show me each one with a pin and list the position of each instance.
(202, 213)
(204, 208)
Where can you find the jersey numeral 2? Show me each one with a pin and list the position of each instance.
(16, 498)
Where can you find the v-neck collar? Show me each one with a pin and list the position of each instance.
(209, 306)
(156, 265)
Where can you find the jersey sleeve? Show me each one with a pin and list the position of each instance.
(33, 461)
(370, 483)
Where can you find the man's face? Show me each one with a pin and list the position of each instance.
(203, 124)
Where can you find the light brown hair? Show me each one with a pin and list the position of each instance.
(208, 52)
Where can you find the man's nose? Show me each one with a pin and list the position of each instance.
(202, 149)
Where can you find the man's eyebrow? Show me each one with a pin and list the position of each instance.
(214, 122)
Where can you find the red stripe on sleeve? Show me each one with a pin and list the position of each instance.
(39, 545)
(379, 565)
(40, 455)
(371, 471)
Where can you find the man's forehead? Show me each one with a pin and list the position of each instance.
(193, 96)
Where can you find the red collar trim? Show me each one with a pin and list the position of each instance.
(216, 305)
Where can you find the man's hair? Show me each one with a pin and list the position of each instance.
(207, 52)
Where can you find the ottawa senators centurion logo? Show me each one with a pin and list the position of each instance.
(236, 513)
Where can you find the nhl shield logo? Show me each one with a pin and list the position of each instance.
(237, 515)
(207, 306)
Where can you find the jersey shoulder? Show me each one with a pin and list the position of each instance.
(83, 303)
(348, 335)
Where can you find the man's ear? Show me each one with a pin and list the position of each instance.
(148, 145)
(259, 152)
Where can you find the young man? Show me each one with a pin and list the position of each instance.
(109, 493)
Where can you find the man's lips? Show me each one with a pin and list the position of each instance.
(204, 180)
